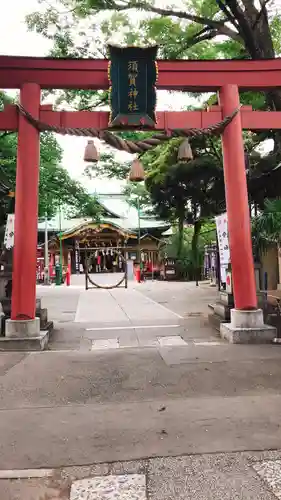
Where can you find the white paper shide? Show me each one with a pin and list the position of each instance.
(9, 232)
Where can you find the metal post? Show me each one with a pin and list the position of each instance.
(60, 244)
(139, 229)
(86, 271)
(46, 272)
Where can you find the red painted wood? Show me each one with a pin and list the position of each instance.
(261, 120)
(26, 210)
(9, 118)
(242, 264)
(251, 120)
(177, 75)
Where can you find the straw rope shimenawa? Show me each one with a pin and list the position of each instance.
(123, 144)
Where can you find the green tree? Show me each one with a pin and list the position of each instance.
(266, 226)
(194, 192)
(240, 28)
(109, 167)
(55, 185)
(186, 266)
(185, 192)
(246, 29)
(138, 196)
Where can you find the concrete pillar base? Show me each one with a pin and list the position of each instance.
(247, 327)
(22, 328)
(24, 335)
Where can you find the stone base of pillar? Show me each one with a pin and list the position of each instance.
(22, 328)
(24, 335)
(247, 327)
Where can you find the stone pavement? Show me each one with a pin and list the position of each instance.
(229, 476)
(145, 402)
(137, 317)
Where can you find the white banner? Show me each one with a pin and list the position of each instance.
(222, 232)
(9, 232)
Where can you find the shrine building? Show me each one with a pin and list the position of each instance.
(119, 227)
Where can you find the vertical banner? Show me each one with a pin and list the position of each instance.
(223, 242)
(132, 73)
(222, 232)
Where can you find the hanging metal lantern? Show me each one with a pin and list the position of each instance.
(185, 151)
(91, 153)
(136, 173)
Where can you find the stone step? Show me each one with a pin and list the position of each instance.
(215, 321)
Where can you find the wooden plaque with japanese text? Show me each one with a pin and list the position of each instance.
(132, 75)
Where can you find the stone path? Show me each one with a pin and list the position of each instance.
(121, 307)
(97, 318)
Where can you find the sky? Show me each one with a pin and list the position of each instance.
(16, 40)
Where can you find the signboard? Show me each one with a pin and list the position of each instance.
(9, 232)
(222, 232)
(132, 73)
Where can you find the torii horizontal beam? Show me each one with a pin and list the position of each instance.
(166, 120)
(203, 76)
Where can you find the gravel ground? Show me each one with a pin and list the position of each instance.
(228, 476)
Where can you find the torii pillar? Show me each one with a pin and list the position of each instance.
(247, 325)
(23, 322)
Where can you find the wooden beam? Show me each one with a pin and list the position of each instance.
(166, 120)
(204, 76)
(261, 120)
(9, 119)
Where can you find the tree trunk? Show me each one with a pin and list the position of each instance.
(180, 240)
(255, 32)
(194, 247)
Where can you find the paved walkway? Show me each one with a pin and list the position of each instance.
(121, 307)
(147, 314)
(147, 378)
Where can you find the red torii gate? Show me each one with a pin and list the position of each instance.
(31, 75)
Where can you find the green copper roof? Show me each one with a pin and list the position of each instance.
(120, 213)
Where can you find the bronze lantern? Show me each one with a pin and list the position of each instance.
(185, 151)
(136, 173)
(91, 153)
